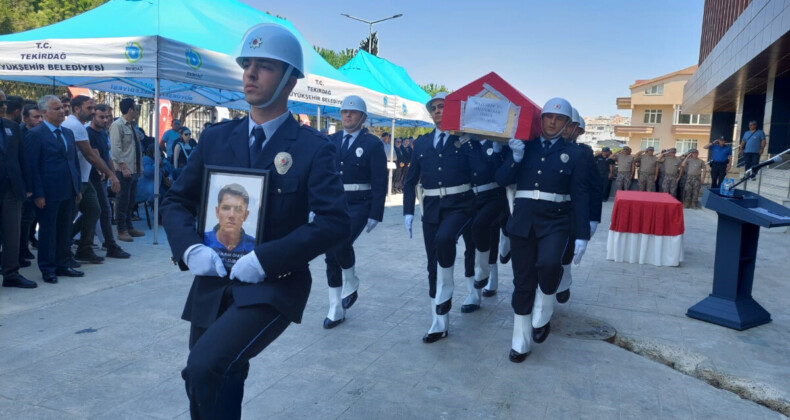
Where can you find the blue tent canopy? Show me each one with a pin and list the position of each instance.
(381, 75)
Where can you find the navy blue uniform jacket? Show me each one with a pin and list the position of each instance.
(484, 170)
(289, 242)
(55, 170)
(13, 160)
(562, 170)
(370, 167)
(434, 169)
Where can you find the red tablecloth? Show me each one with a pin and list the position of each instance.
(648, 213)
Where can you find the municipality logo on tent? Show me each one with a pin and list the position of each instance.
(133, 52)
(405, 110)
(193, 59)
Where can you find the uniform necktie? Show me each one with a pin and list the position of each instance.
(257, 144)
(344, 146)
(440, 144)
(60, 137)
(546, 146)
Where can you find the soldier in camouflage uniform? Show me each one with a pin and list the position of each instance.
(671, 166)
(695, 171)
(625, 169)
(648, 169)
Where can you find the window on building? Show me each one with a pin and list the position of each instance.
(650, 141)
(655, 90)
(652, 116)
(690, 119)
(684, 145)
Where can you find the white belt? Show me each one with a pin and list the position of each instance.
(540, 195)
(356, 187)
(442, 191)
(481, 188)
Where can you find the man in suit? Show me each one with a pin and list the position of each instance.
(362, 165)
(15, 186)
(441, 164)
(52, 154)
(550, 176)
(234, 317)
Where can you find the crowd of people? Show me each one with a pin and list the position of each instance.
(680, 176)
(70, 171)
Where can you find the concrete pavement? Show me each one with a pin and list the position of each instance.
(111, 345)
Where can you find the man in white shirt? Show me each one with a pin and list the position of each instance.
(82, 108)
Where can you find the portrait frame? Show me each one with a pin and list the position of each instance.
(244, 194)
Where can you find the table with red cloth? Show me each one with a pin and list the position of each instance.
(646, 227)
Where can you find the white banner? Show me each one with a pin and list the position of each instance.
(97, 57)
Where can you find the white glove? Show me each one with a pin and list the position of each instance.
(204, 261)
(371, 224)
(497, 146)
(593, 227)
(310, 217)
(517, 146)
(408, 220)
(579, 247)
(248, 269)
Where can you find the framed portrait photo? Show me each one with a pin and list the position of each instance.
(233, 210)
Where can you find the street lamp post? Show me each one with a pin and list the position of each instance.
(370, 26)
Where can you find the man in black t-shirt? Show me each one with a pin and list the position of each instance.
(100, 140)
(605, 167)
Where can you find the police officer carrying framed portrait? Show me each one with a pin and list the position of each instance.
(235, 314)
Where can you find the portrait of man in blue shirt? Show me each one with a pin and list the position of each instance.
(227, 237)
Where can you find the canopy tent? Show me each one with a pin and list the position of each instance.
(179, 50)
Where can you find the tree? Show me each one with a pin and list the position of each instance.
(336, 58)
(370, 45)
(21, 15)
(432, 89)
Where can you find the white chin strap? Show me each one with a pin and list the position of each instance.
(280, 87)
(559, 133)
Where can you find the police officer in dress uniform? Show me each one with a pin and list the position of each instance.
(442, 164)
(550, 177)
(595, 190)
(490, 206)
(234, 317)
(362, 165)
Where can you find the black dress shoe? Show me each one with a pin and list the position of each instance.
(489, 293)
(563, 297)
(19, 281)
(444, 307)
(25, 253)
(469, 308)
(88, 256)
(349, 300)
(434, 337)
(50, 278)
(69, 272)
(117, 252)
(479, 284)
(517, 357)
(72, 263)
(329, 324)
(25, 263)
(504, 258)
(539, 335)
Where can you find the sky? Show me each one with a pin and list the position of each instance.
(588, 52)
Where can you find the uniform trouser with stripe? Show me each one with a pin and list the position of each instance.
(342, 256)
(537, 261)
(219, 357)
(440, 239)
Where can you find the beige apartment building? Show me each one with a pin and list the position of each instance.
(656, 119)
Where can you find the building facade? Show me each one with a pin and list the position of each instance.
(657, 119)
(601, 129)
(744, 75)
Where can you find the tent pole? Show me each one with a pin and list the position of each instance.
(392, 160)
(156, 162)
(318, 117)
